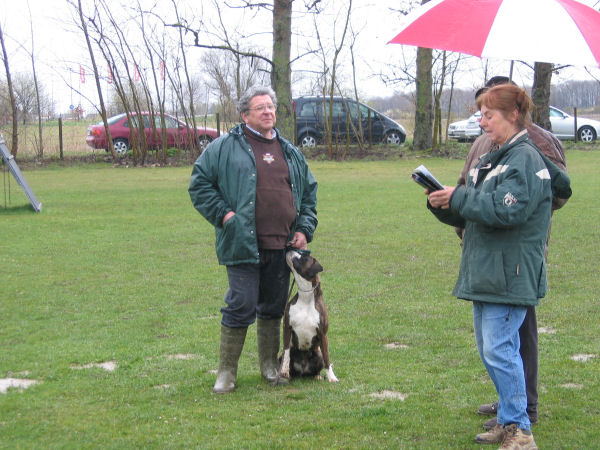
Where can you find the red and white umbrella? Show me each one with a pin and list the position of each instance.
(553, 31)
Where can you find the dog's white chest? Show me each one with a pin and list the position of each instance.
(304, 320)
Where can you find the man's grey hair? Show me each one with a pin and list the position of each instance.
(243, 104)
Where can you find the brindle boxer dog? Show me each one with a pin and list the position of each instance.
(305, 323)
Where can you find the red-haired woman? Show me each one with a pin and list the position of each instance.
(505, 210)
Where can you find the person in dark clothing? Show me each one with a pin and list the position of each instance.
(256, 189)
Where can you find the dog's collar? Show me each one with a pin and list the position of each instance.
(310, 290)
(298, 250)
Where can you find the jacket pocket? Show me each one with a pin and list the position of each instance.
(542, 281)
(486, 273)
(228, 237)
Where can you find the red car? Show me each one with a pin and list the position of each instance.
(120, 129)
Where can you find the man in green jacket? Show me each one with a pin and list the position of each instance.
(256, 189)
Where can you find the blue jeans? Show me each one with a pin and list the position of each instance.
(257, 290)
(497, 337)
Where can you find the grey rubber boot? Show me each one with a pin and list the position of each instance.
(232, 342)
(268, 338)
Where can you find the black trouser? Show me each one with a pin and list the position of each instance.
(528, 334)
(257, 290)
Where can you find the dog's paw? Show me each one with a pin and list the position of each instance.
(331, 376)
(281, 381)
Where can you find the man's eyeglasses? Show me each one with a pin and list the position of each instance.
(262, 108)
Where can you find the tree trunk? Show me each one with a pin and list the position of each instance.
(193, 136)
(540, 94)
(97, 79)
(424, 102)
(437, 119)
(11, 94)
(281, 72)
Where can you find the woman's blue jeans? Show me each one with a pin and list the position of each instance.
(497, 337)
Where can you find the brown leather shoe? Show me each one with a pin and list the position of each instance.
(488, 409)
(493, 436)
(491, 423)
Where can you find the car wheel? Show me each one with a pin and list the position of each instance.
(203, 141)
(121, 146)
(586, 134)
(308, 140)
(393, 137)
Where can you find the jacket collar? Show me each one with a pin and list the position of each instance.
(238, 130)
(491, 159)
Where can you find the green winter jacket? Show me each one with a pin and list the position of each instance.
(224, 179)
(505, 210)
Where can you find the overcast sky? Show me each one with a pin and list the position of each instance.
(59, 51)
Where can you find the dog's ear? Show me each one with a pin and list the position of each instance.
(315, 268)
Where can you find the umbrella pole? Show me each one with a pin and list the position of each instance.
(512, 63)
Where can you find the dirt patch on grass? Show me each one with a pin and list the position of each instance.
(582, 357)
(15, 383)
(109, 366)
(389, 395)
(572, 386)
(394, 345)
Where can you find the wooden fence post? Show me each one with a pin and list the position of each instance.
(60, 137)
(575, 124)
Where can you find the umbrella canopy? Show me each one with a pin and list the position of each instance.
(553, 31)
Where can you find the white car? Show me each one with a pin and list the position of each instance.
(466, 130)
(563, 126)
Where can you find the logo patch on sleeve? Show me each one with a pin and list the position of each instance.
(509, 200)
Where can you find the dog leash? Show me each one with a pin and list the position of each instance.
(302, 252)
(300, 290)
(291, 287)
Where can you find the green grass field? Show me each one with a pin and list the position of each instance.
(119, 268)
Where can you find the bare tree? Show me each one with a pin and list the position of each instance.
(281, 70)
(437, 110)
(279, 63)
(360, 132)
(424, 103)
(40, 147)
(84, 28)
(329, 74)
(187, 78)
(453, 69)
(540, 94)
(11, 94)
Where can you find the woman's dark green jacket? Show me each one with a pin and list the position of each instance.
(505, 210)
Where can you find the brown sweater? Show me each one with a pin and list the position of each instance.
(274, 210)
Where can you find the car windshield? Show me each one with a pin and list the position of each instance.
(114, 119)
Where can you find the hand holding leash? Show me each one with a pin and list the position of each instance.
(298, 241)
